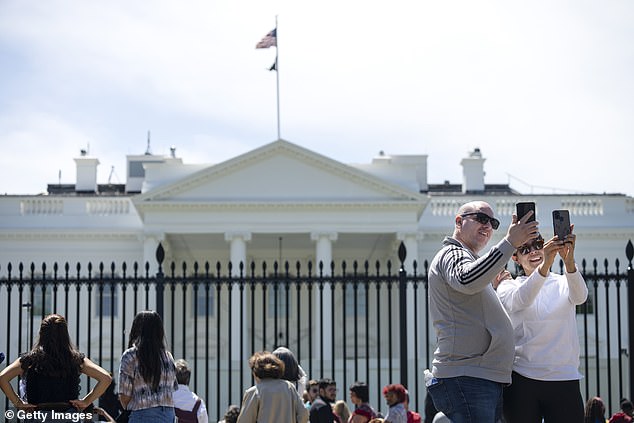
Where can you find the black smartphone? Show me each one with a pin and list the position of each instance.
(525, 207)
(561, 223)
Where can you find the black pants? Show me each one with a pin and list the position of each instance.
(529, 400)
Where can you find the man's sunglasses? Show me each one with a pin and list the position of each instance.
(483, 218)
(538, 244)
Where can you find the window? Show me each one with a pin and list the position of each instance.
(136, 170)
(201, 298)
(37, 301)
(281, 301)
(106, 302)
(349, 298)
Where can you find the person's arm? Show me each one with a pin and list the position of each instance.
(250, 407)
(576, 284)
(126, 379)
(516, 296)
(100, 411)
(103, 379)
(9, 373)
(470, 275)
(203, 416)
(301, 412)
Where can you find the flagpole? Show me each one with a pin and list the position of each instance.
(277, 77)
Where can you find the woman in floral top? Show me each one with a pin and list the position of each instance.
(147, 375)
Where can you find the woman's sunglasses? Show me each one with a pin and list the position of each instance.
(483, 219)
(538, 244)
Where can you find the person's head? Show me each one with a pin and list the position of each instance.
(341, 410)
(595, 409)
(359, 393)
(183, 372)
(328, 389)
(474, 225)
(53, 353)
(148, 336)
(232, 413)
(529, 256)
(394, 394)
(312, 390)
(53, 337)
(291, 367)
(265, 365)
(147, 326)
(627, 407)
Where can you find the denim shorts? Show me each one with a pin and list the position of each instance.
(467, 399)
(153, 415)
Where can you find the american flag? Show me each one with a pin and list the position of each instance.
(269, 40)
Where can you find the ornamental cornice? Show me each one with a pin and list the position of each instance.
(69, 236)
(196, 206)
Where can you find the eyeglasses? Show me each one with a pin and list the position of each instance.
(538, 244)
(483, 218)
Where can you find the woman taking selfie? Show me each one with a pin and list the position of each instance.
(52, 370)
(541, 305)
(147, 375)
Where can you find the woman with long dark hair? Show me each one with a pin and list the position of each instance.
(52, 369)
(293, 372)
(147, 375)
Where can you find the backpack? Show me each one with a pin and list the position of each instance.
(185, 416)
(413, 417)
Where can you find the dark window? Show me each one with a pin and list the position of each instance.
(136, 170)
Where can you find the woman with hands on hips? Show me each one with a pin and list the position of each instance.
(541, 305)
(52, 371)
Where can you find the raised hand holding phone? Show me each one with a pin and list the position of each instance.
(561, 223)
(523, 208)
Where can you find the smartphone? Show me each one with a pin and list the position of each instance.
(561, 223)
(523, 208)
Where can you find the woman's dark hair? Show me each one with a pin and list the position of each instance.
(291, 367)
(595, 411)
(53, 353)
(148, 336)
(266, 366)
(361, 390)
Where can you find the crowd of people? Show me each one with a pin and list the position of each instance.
(507, 350)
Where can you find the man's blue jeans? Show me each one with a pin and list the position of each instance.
(466, 399)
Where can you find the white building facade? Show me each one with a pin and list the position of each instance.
(279, 202)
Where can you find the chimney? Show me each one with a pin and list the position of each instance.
(86, 173)
(473, 172)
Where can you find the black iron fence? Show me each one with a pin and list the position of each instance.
(355, 321)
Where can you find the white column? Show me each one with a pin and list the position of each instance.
(323, 253)
(238, 254)
(323, 249)
(238, 244)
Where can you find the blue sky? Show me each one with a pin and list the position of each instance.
(544, 89)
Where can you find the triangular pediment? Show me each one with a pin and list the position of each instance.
(279, 172)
